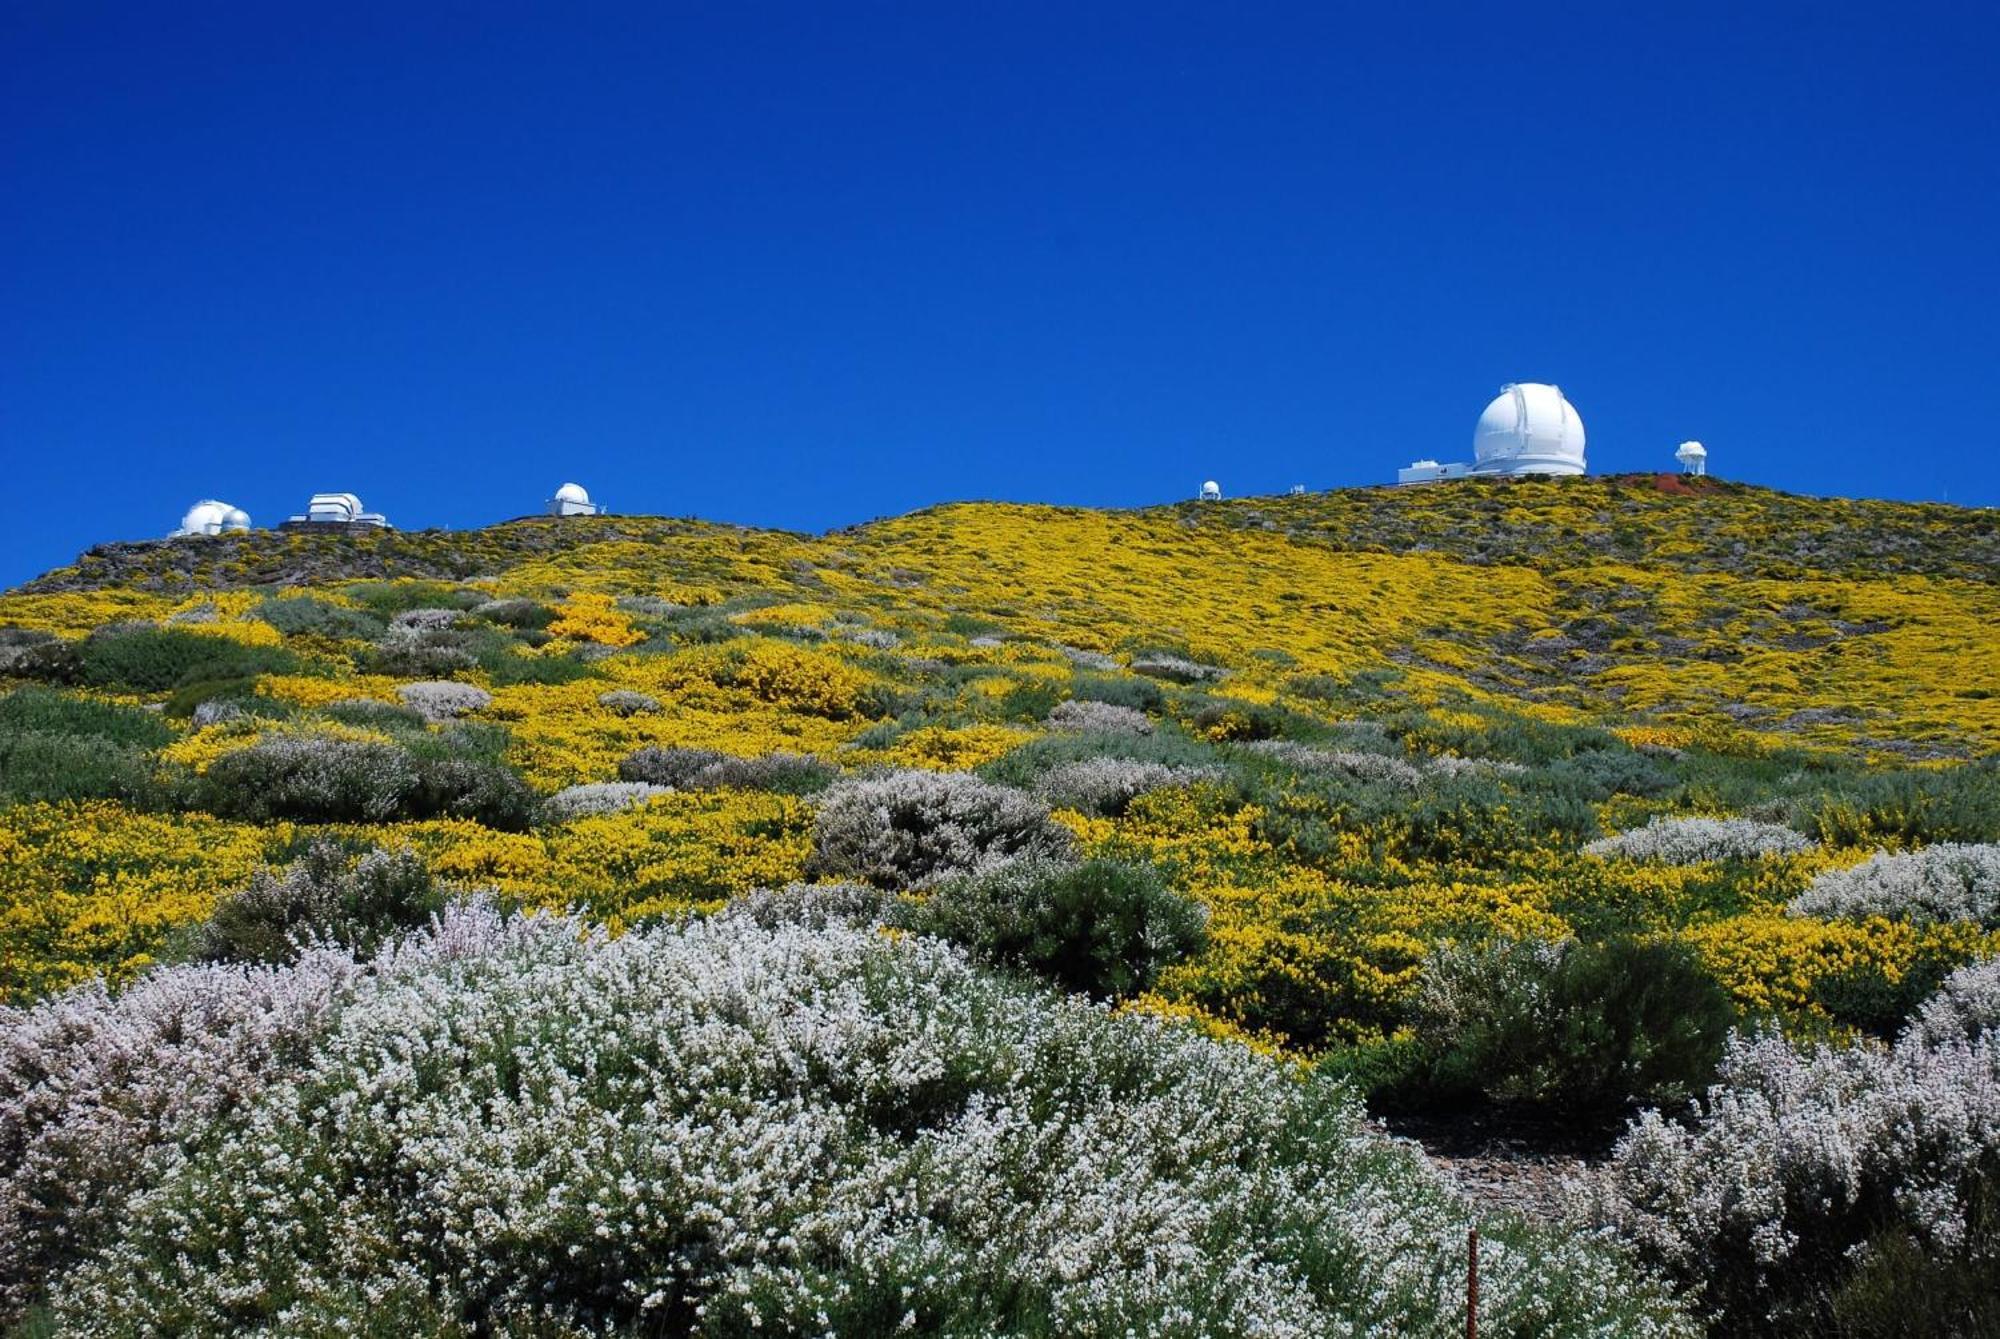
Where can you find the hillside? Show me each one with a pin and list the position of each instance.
(1315, 749)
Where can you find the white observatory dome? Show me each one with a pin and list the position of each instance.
(1693, 457)
(573, 500)
(1211, 491)
(1528, 429)
(209, 517)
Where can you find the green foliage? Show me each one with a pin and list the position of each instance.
(153, 660)
(43, 765)
(1104, 928)
(1902, 1289)
(1120, 690)
(1590, 1028)
(308, 616)
(389, 598)
(313, 780)
(49, 712)
(1917, 807)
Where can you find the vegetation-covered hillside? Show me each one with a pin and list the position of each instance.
(1515, 794)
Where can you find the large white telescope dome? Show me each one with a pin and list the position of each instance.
(209, 517)
(1528, 429)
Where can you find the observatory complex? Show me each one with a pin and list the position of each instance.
(339, 509)
(209, 517)
(572, 500)
(1529, 428)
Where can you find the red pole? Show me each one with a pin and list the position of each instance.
(1472, 1283)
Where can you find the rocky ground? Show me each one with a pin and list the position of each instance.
(1506, 1161)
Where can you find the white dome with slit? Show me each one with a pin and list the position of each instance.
(1529, 428)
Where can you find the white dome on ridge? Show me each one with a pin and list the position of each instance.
(209, 517)
(1529, 429)
(572, 493)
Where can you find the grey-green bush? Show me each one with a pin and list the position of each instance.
(325, 894)
(908, 829)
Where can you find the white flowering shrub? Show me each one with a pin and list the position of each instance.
(1965, 1008)
(524, 1126)
(708, 769)
(1175, 669)
(1317, 762)
(426, 620)
(625, 702)
(96, 1093)
(1695, 841)
(815, 906)
(908, 829)
(1946, 882)
(1081, 716)
(442, 699)
(599, 797)
(1105, 786)
(1800, 1156)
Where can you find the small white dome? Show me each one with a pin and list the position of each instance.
(1529, 428)
(1211, 489)
(1691, 451)
(572, 493)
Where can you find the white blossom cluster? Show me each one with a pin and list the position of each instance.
(1695, 841)
(1945, 882)
(1105, 786)
(1799, 1153)
(1082, 716)
(443, 699)
(97, 1094)
(426, 620)
(906, 829)
(599, 797)
(1175, 669)
(1310, 761)
(509, 1125)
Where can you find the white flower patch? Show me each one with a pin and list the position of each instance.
(1945, 882)
(523, 1122)
(443, 699)
(1695, 841)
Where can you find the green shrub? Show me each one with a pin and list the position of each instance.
(1120, 690)
(1103, 929)
(315, 780)
(1577, 1027)
(309, 616)
(153, 660)
(389, 598)
(42, 765)
(49, 712)
(1917, 807)
(326, 893)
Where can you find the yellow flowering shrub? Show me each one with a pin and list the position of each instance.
(588, 616)
(95, 888)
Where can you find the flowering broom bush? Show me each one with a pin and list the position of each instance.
(520, 1126)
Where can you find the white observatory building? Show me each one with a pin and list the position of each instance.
(209, 517)
(572, 500)
(1693, 457)
(1529, 428)
(1211, 491)
(341, 509)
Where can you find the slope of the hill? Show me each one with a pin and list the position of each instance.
(1367, 780)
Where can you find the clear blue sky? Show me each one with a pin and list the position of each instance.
(804, 265)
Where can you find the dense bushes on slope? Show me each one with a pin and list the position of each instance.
(711, 1130)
